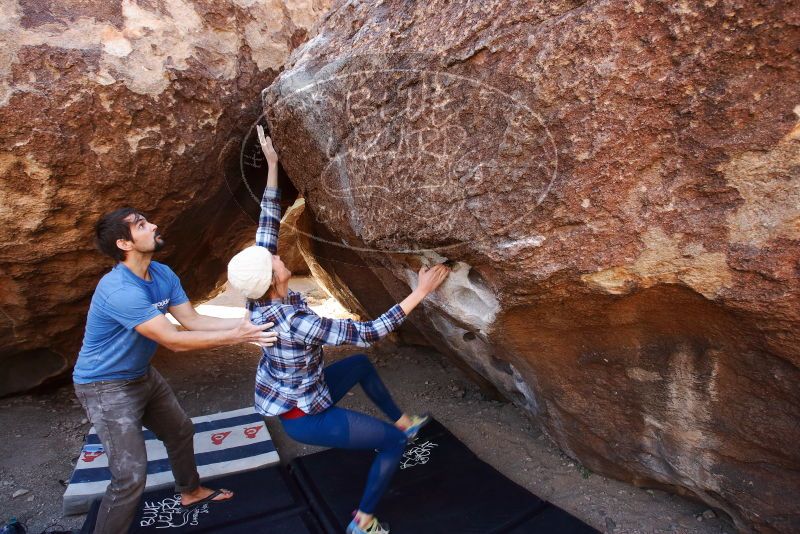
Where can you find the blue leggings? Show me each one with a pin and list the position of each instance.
(346, 429)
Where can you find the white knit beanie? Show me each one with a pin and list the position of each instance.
(250, 271)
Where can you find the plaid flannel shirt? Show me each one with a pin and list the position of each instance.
(290, 372)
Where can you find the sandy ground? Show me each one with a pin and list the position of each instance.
(43, 435)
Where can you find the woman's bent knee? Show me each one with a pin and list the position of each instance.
(363, 364)
(395, 441)
(360, 359)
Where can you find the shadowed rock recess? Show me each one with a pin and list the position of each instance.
(617, 186)
(105, 104)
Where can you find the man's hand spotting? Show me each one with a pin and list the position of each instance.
(247, 332)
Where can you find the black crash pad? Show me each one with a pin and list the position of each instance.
(441, 486)
(551, 519)
(265, 500)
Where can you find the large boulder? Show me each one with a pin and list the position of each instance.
(105, 104)
(291, 238)
(617, 185)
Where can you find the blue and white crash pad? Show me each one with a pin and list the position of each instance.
(224, 443)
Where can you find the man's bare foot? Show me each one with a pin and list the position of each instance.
(202, 493)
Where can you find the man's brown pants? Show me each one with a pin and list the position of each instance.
(118, 409)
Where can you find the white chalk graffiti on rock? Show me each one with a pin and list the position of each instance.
(438, 161)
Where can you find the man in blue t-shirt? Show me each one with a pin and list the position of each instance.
(113, 378)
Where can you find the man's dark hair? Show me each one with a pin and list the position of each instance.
(109, 228)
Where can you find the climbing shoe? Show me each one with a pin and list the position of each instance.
(373, 528)
(417, 422)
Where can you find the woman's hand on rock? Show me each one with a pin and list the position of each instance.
(266, 146)
(430, 279)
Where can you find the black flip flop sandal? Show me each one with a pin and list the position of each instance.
(209, 499)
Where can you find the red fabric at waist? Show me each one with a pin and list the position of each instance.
(294, 413)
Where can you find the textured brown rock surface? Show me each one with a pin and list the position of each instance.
(619, 186)
(290, 237)
(338, 275)
(104, 104)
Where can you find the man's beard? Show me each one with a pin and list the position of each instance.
(158, 242)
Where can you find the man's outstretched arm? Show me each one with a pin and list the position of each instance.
(160, 330)
(191, 320)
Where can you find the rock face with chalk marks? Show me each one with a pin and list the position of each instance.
(105, 104)
(618, 186)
